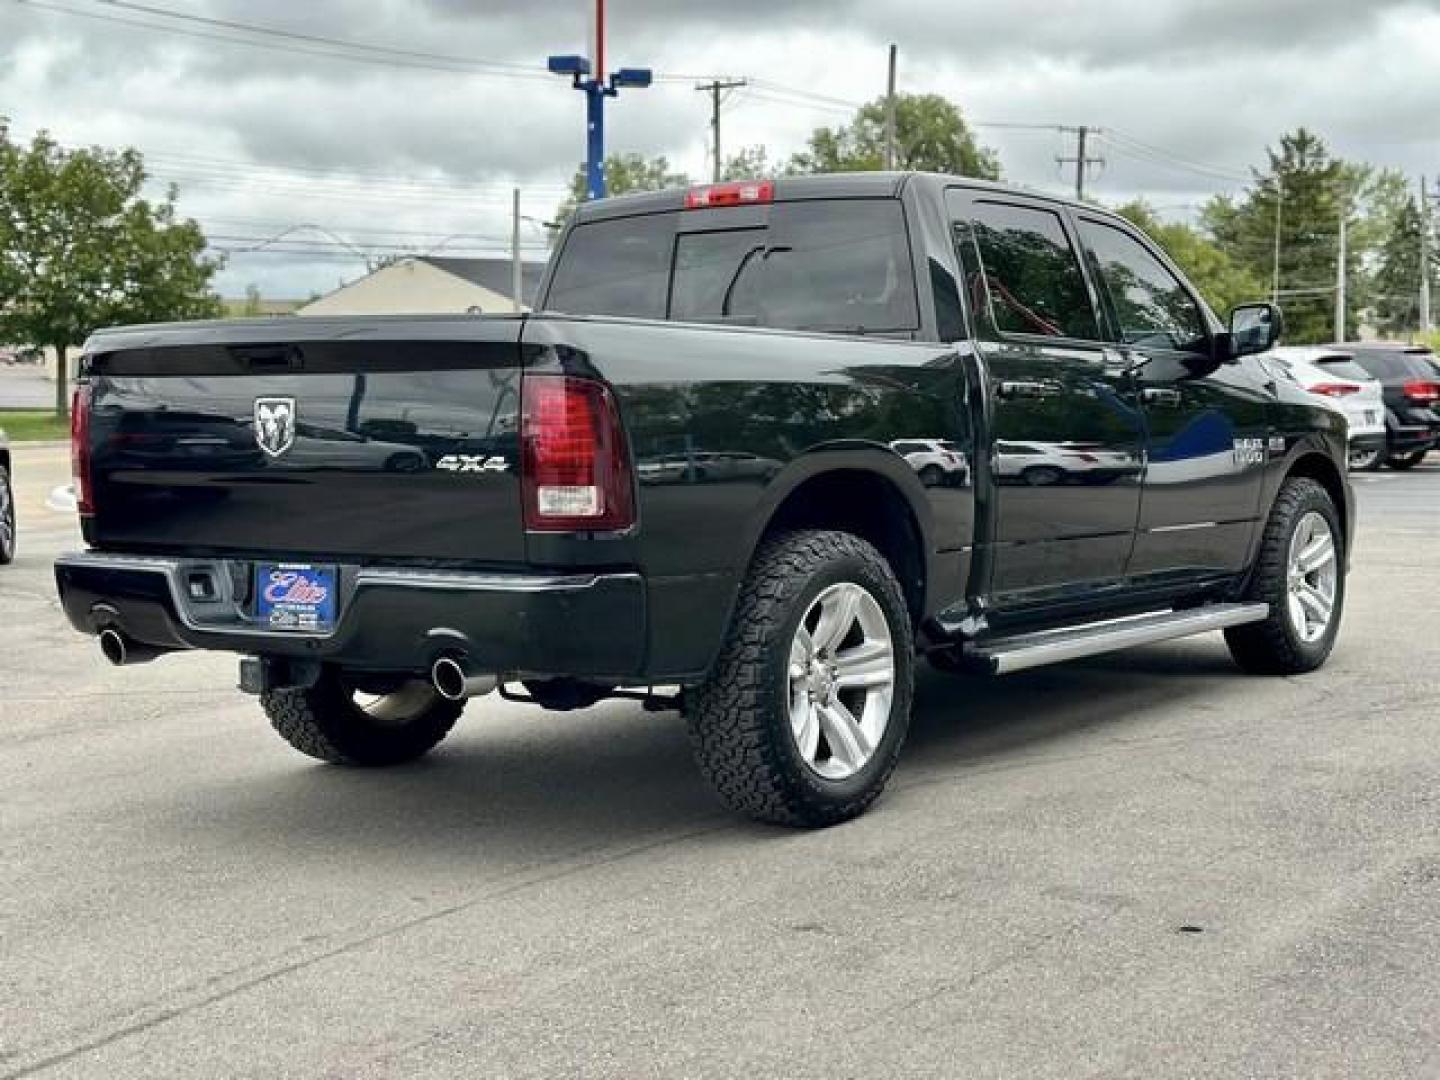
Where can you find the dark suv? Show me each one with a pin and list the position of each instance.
(1412, 395)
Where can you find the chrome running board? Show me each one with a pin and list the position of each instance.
(1001, 656)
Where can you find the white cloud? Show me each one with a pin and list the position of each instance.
(263, 138)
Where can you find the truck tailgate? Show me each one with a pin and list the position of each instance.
(367, 439)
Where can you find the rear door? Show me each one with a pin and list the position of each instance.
(312, 439)
(1064, 464)
(1207, 422)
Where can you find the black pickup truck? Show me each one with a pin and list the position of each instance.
(693, 478)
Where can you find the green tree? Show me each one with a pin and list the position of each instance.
(1397, 277)
(1221, 280)
(749, 163)
(624, 175)
(80, 249)
(930, 135)
(1303, 191)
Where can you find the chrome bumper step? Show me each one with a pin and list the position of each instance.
(1001, 656)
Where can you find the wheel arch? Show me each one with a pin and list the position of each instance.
(1323, 470)
(872, 493)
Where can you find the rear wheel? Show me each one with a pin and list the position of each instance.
(1042, 476)
(1301, 575)
(1406, 461)
(802, 718)
(339, 723)
(932, 475)
(7, 518)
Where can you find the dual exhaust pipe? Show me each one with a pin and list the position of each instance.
(454, 676)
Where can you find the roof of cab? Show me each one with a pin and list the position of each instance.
(854, 185)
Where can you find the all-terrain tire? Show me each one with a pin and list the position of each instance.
(739, 717)
(325, 721)
(1275, 646)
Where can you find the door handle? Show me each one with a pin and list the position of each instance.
(1024, 389)
(1160, 397)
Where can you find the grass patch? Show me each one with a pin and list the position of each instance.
(33, 425)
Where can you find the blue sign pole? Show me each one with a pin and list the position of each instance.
(595, 138)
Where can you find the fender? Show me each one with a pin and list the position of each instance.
(1299, 446)
(839, 456)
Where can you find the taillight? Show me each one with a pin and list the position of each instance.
(740, 193)
(1338, 389)
(1422, 391)
(80, 449)
(575, 469)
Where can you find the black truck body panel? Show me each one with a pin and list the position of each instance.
(1160, 470)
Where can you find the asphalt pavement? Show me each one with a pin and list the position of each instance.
(1144, 865)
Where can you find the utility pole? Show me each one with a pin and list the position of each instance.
(587, 73)
(890, 111)
(715, 88)
(1275, 266)
(1340, 273)
(516, 270)
(1424, 257)
(1082, 159)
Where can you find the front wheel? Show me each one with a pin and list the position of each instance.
(337, 722)
(1300, 573)
(801, 720)
(1406, 461)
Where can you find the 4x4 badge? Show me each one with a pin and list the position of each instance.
(275, 424)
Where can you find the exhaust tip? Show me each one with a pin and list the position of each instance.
(455, 679)
(449, 679)
(113, 646)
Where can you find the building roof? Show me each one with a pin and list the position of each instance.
(492, 274)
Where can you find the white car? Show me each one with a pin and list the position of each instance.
(938, 461)
(1043, 464)
(1336, 379)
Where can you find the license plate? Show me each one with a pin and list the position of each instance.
(295, 596)
(1371, 416)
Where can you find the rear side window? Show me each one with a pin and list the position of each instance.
(615, 267)
(822, 265)
(1031, 278)
(1152, 307)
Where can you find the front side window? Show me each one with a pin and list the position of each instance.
(1152, 307)
(1031, 276)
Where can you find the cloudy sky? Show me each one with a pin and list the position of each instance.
(411, 137)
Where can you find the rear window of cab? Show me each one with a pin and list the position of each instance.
(826, 265)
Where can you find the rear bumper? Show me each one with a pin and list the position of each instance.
(1368, 441)
(583, 625)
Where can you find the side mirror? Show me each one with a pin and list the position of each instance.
(1254, 328)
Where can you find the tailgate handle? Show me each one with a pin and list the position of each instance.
(269, 357)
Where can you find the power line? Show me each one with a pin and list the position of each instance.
(334, 49)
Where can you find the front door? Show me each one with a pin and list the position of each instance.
(1208, 434)
(1064, 462)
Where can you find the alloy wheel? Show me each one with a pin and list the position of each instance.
(1312, 577)
(842, 681)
